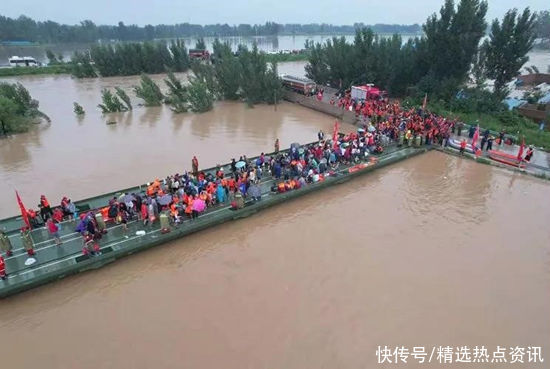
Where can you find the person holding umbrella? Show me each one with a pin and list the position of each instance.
(198, 206)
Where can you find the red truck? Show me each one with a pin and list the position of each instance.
(300, 85)
(199, 54)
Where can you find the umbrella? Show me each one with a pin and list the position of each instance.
(254, 191)
(199, 205)
(360, 130)
(128, 198)
(165, 199)
(240, 164)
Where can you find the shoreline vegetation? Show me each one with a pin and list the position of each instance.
(29, 30)
(440, 67)
(67, 67)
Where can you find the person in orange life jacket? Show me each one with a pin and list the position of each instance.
(3, 273)
(33, 218)
(45, 210)
(462, 146)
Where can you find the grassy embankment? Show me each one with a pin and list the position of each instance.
(23, 71)
(511, 121)
(66, 68)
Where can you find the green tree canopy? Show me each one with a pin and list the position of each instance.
(508, 45)
(149, 91)
(18, 110)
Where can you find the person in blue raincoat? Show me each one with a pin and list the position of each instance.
(220, 193)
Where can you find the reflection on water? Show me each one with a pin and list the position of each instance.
(436, 250)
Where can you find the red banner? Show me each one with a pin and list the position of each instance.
(521, 147)
(335, 134)
(23, 210)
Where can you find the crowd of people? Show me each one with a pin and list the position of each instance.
(185, 196)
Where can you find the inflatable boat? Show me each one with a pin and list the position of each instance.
(455, 144)
(506, 158)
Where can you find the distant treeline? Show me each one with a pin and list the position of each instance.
(25, 28)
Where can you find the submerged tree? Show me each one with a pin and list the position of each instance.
(227, 70)
(273, 87)
(199, 97)
(78, 109)
(508, 45)
(206, 73)
(177, 94)
(124, 97)
(111, 103)
(200, 44)
(52, 58)
(18, 110)
(149, 91)
(81, 66)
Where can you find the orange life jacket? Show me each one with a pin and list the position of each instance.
(44, 202)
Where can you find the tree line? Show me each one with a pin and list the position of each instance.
(439, 63)
(25, 28)
(246, 76)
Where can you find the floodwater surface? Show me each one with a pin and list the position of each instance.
(83, 157)
(435, 250)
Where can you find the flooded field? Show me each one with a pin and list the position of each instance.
(432, 251)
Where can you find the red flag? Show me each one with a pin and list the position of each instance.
(425, 102)
(476, 137)
(521, 147)
(335, 133)
(23, 210)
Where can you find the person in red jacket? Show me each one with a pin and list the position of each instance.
(195, 165)
(462, 146)
(3, 273)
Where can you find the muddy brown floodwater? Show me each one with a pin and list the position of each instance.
(432, 251)
(82, 157)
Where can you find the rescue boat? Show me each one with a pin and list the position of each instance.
(505, 158)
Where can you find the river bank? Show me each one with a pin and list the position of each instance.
(65, 68)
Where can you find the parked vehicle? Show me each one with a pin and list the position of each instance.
(366, 92)
(23, 61)
(300, 85)
(199, 54)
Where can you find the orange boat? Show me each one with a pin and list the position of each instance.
(506, 158)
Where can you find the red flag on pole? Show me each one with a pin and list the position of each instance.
(425, 102)
(476, 137)
(23, 210)
(335, 133)
(521, 147)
